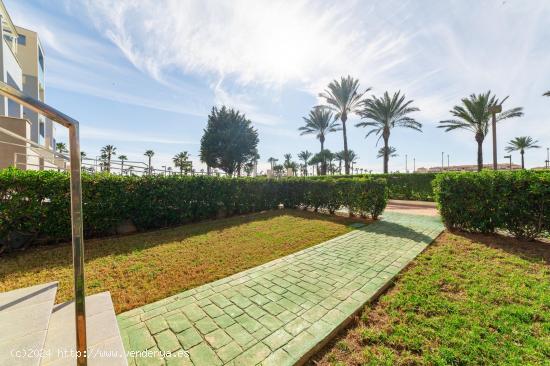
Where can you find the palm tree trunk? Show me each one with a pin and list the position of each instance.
(479, 156)
(479, 139)
(522, 160)
(386, 136)
(323, 163)
(122, 167)
(346, 158)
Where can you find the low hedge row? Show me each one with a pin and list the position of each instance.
(518, 202)
(401, 186)
(34, 205)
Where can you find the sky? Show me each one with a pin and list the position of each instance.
(145, 74)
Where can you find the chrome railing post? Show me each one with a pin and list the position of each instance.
(78, 245)
(76, 207)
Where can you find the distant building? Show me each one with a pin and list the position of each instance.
(22, 66)
(466, 168)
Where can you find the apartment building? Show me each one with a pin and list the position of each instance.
(22, 66)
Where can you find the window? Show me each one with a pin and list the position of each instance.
(42, 131)
(41, 59)
(22, 40)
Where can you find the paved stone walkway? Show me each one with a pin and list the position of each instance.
(280, 312)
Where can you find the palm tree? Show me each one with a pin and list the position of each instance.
(149, 154)
(383, 114)
(181, 160)
(352, 157)
(82, 155)
(473, 115)
(122, 158)
(107, 152)
(521, 144)
(288, 160)
(343, 97)
(305, 156)
(340, 157)
(272, 161)
(390, 152)
(320, 121)
(61, 148)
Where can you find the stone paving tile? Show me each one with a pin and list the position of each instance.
(275, 313)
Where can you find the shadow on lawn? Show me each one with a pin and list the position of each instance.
(52, 256)
(533, 251)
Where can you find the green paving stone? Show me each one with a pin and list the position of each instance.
(246, 292)
(270, 322)
(217, 338)
(178, 322)
(280, 282)
(140, 339)
(203, 294)
(314, 314)
(233, 311)
(286, 316)
(241, 301)
(273, 296)
(259, 299)
(167, 341)
(193, 312)
(273, 308)
(278, 289)
(156, 324)
(229, 351)
(296, 326)
(127, 322)
(213, 311)
(248, 323)
(278, 358)
(255, 311)
(261, 289)
(202, 355)
(300, 343)
(153, 360)
(261, 333)
(320, 329)
(239, 334)
(206, 325)
(277, 339)
(224, 321)
(220, 300)
(289, 305)
(151, 314)
(189, 337)
(179, 361)
(329, 303)
(254, 355)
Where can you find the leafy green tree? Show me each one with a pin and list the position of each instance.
(383, 114)
(390, 152)
(278, 170)
(61, 148)
(107, 153)
(305, 156)
(521, 144)
(320, 122)
(344, 98)
(474, 115)
(149, 154)
(181, 161)
(229, 140)
(122, 159)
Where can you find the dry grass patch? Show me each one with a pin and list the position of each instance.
(467, 300)
(142, 268)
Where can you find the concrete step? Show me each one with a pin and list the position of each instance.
(24, 318)
(105, 346)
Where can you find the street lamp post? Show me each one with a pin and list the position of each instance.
(509, 157)
(494, 109)
(442, 156)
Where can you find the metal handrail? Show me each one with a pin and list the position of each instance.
(76, 207)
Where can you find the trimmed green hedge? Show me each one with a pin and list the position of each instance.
(518, 202)
(401, 186)
(34, 205)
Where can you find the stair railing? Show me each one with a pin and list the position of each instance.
(76, 207)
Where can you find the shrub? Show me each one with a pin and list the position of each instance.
(401, 186)
(35, 205)
(518, 202)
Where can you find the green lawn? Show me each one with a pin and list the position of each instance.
(467, 300)
(142, 268)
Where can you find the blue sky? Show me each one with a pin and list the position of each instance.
(144, 74)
